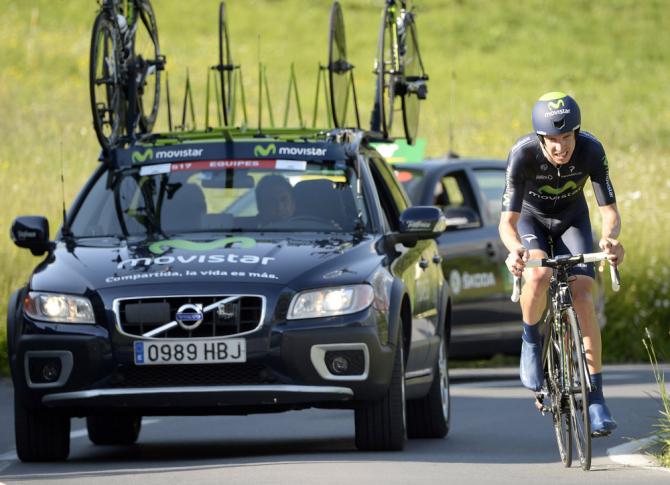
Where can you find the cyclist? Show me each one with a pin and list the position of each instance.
(543, 201)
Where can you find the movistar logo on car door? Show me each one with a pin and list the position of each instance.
(265, 150)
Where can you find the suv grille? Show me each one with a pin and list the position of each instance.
(239, 314)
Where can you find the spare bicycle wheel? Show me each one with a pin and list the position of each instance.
(147, 50)
(225, 67)
(104, 82)
(338, 67)
(387, 70)
(415, 81)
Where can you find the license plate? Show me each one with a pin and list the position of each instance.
(190, 352)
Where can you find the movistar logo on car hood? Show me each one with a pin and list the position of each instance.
(548, 189)
(161, 247)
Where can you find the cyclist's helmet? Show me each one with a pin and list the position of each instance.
(555, 113)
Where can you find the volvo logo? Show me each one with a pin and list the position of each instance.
(189, 316)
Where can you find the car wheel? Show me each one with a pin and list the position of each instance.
(114, 429)
(41, 435)
(428, 417)
(380, 425)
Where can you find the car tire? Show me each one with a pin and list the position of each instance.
(114, 429)
(381, 425)
(428, 417)
(41, 435)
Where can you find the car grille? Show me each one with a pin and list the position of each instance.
(240, 314)
(192, 375)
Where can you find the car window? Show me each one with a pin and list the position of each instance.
(391, 196)
(411, 180)
(492, 183)
(293, 196)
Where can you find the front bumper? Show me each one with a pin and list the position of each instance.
(282, 371)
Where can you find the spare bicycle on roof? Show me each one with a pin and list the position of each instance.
(125, 81)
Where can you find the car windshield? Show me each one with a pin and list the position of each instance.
(228, 196)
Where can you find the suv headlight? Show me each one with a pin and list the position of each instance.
(328, 302)
(57, 308)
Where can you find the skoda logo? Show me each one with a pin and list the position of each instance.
(189, 316)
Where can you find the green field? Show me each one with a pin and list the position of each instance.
(488, 61)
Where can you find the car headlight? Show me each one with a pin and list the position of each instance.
(328, 302)
(54, 307)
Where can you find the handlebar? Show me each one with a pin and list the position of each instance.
(567, 261)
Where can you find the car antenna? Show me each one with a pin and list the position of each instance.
(65, 231)
(451, 153)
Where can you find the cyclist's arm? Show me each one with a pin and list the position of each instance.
(518, 255)
(611, 229)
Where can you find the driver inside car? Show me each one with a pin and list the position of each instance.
(274, 199)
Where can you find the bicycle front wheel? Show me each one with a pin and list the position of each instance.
(579, 398)
(105, 87)
(557, 389)
(146, 48)
(387, 69)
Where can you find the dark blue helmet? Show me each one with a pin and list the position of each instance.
(555, 113)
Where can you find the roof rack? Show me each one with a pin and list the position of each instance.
(335, 87)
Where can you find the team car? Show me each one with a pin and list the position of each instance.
(232, 274)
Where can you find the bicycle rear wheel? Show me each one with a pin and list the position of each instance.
(338, 67)
(579, 399)
(415, 87)
(105, 88)
(147, 50)
(560, 410)
(387, 69)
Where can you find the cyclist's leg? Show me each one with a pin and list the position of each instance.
(533, 301)
(535, 237)
(578, 239)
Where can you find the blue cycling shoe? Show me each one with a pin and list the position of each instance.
(602, 422)
(530, 368)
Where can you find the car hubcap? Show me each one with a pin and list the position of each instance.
(444, 381)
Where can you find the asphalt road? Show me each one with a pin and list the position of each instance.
(496, 436)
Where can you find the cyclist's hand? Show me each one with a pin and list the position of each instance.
(614, 249)
(516, 261)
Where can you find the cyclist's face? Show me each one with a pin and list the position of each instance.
(560, 147)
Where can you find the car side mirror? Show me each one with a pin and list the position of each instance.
(462, 217)
(424, 222)
(31, 232)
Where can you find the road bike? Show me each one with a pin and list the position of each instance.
(125, 65)
(400, 71)
(567, 378)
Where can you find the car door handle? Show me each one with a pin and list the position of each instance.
(490, 250)
(437, 259)
(423, 263)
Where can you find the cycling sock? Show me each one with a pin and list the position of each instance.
(531, 333)
(596, 393)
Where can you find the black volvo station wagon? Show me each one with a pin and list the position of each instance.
(226, 274)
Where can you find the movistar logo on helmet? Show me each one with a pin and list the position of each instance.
(548, 189)
(162, 246)
(139, 157)
(556, 104)
(265, 151)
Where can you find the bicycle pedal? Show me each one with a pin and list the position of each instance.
(600, 434)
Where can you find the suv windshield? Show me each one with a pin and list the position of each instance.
(236, 195)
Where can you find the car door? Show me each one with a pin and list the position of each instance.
(418, 266)
(471, 256)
